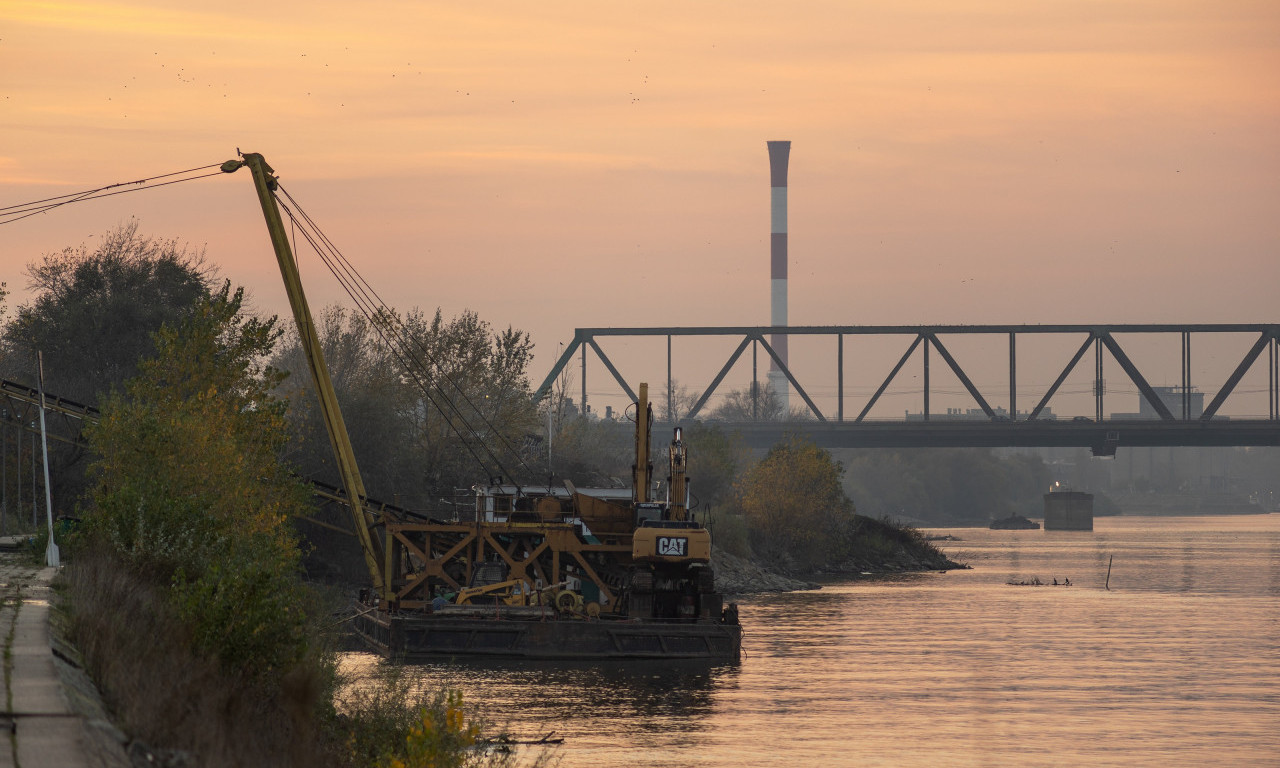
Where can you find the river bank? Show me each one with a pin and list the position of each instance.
(881, 549)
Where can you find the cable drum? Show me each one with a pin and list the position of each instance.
(568, 601)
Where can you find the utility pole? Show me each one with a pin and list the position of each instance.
(51, 556)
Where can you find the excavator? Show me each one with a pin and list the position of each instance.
(553, 573)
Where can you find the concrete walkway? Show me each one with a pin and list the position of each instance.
(41, 727)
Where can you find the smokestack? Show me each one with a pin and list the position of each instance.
(779, 152)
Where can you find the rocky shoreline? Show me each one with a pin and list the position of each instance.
(740, 576)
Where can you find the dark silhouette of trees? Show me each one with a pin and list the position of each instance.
(716, 457)
(410, 452)
(93, 317)
(945, 486)
(95, 310)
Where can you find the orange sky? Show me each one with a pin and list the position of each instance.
(554, 165)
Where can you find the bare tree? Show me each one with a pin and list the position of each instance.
(753, 403)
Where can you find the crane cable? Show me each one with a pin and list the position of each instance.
(402, 346)
(378, 319)
(11, 213)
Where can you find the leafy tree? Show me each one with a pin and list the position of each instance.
(373, 401)
(479, 374)
(190, 493)
(406, 447)
(95, 310)
(795, 506)
(714, 460)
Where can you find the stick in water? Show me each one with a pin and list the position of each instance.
(1113, 557)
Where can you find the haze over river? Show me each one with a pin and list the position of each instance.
(1178, 664)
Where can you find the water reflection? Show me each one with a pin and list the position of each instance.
(654, 696)
(1177, 664)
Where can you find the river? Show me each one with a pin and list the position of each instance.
(1176, 664)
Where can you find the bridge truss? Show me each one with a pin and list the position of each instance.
(1183, 425)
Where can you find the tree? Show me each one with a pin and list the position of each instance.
(95, 310)
(714, 459)
(795, 506)
(596, 453)
(754, 403)
(190, 493)
(404, 406)
(93, 316)
(677, 403)
(473, 400)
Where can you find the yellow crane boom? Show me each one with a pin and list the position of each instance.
(264, 181)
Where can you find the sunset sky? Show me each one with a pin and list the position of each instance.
(557, 164)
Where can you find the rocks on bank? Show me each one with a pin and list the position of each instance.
(739, 576)
(905, 551)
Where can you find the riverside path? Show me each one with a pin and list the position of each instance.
(41, 727)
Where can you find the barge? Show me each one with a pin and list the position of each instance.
(556, 573)
(504, 634)
(530, 573)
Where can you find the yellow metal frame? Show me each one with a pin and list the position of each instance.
(427, 556)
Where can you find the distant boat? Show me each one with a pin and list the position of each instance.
(1015, 523)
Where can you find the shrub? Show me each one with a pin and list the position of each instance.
(388, 721)
(190, 493)
(795, 506)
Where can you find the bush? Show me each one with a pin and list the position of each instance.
(165, 692)
(795, 507)
(390, 722)
(191, 496)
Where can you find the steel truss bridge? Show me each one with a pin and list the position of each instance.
(1178, 425)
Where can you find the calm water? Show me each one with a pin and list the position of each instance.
(1178, 664)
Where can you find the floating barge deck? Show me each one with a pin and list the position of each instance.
(532, 633)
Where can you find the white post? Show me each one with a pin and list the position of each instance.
(51, 556)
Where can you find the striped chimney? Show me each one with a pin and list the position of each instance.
(779, 151)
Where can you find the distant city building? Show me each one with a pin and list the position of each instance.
(1172, 399)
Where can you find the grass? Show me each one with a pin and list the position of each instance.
(163, 691)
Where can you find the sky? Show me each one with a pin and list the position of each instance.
(557, 165)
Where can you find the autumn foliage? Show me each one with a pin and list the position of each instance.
(189, 493)
(796, 510)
